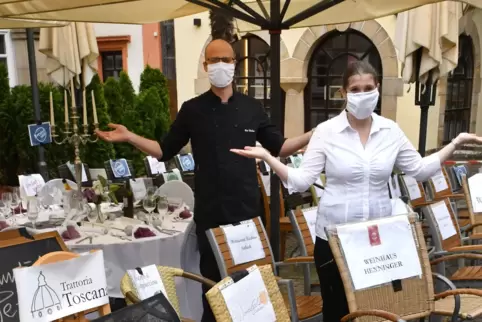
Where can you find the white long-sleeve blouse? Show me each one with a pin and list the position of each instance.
(357, 176)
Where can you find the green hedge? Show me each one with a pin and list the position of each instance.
(145, 113)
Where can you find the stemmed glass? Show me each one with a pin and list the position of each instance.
(7, 199)
(33, 208)
(92, 215)
(162, 208)
(3, 210)
(149, 204)
(14, 203)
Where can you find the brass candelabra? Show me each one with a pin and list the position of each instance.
(71, 134)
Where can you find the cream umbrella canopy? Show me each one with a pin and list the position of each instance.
(71, 51)
(427, 42)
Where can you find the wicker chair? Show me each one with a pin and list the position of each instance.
(415, 299)
(168, 275)
(221, 312)
(55, 257)
(305, 308)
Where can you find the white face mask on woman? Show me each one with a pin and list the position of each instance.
(221, 74)
(361, 105)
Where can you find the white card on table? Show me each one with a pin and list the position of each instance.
(72, 170)
(379, 251)
(310, 215)
(52, 291)
(139, 189)
(412, 187)
(475, 188)
(439, 182)
(244, 242)
(31, 183)
(156, 166)
(248, 299)
(443, 219)
(147, 284)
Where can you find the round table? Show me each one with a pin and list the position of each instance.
(176, 250)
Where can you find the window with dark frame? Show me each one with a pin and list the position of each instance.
(253, 68)
(3, 49)
(459, 92)
(111, 64)
(168, 49)
(323, 99)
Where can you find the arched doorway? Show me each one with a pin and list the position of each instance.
(327, 64)
(459, 92)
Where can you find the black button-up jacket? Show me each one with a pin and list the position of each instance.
(226, 186)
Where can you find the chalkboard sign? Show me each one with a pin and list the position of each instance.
(21, 251)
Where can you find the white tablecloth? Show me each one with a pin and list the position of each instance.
(178, 250)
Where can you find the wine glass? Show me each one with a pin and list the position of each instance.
(149, 204)
(92, 215)
(3, 210)
(162, 208)
(14, 204)
(33, 210)
(7, 199)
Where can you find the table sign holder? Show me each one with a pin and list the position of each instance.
(72, 133)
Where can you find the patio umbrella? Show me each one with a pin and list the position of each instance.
(252, 14)
(427, 43)
(7, 23)
(71, 51)
(268, 15)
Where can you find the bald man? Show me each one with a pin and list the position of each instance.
(226, 186)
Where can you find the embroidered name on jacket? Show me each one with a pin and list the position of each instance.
(249, 130)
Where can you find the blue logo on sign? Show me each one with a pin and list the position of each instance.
(39, 134)
(120, 168)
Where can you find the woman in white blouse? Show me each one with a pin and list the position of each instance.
(358, 150)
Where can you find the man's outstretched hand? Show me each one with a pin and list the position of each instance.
(119, 133)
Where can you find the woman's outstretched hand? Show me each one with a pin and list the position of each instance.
(467, 138)
(252, 152)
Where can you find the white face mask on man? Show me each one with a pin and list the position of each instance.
(221, 74)
(361, 105)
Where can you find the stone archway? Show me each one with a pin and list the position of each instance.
(294, 71)
(467, 26)
(201, 83)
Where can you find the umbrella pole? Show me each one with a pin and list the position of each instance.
(424, 97)
(276, 119)
(32, 64)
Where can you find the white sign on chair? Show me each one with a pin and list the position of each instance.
(379, 251)
(412, 187)
(52, 291)
(310, 215)
(439, 182)
(248, 299)
(444, 220)
(147, 284)
(244, 242)
(139, 189)
(475, 187)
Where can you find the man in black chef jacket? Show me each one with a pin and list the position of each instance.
(226, 186)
